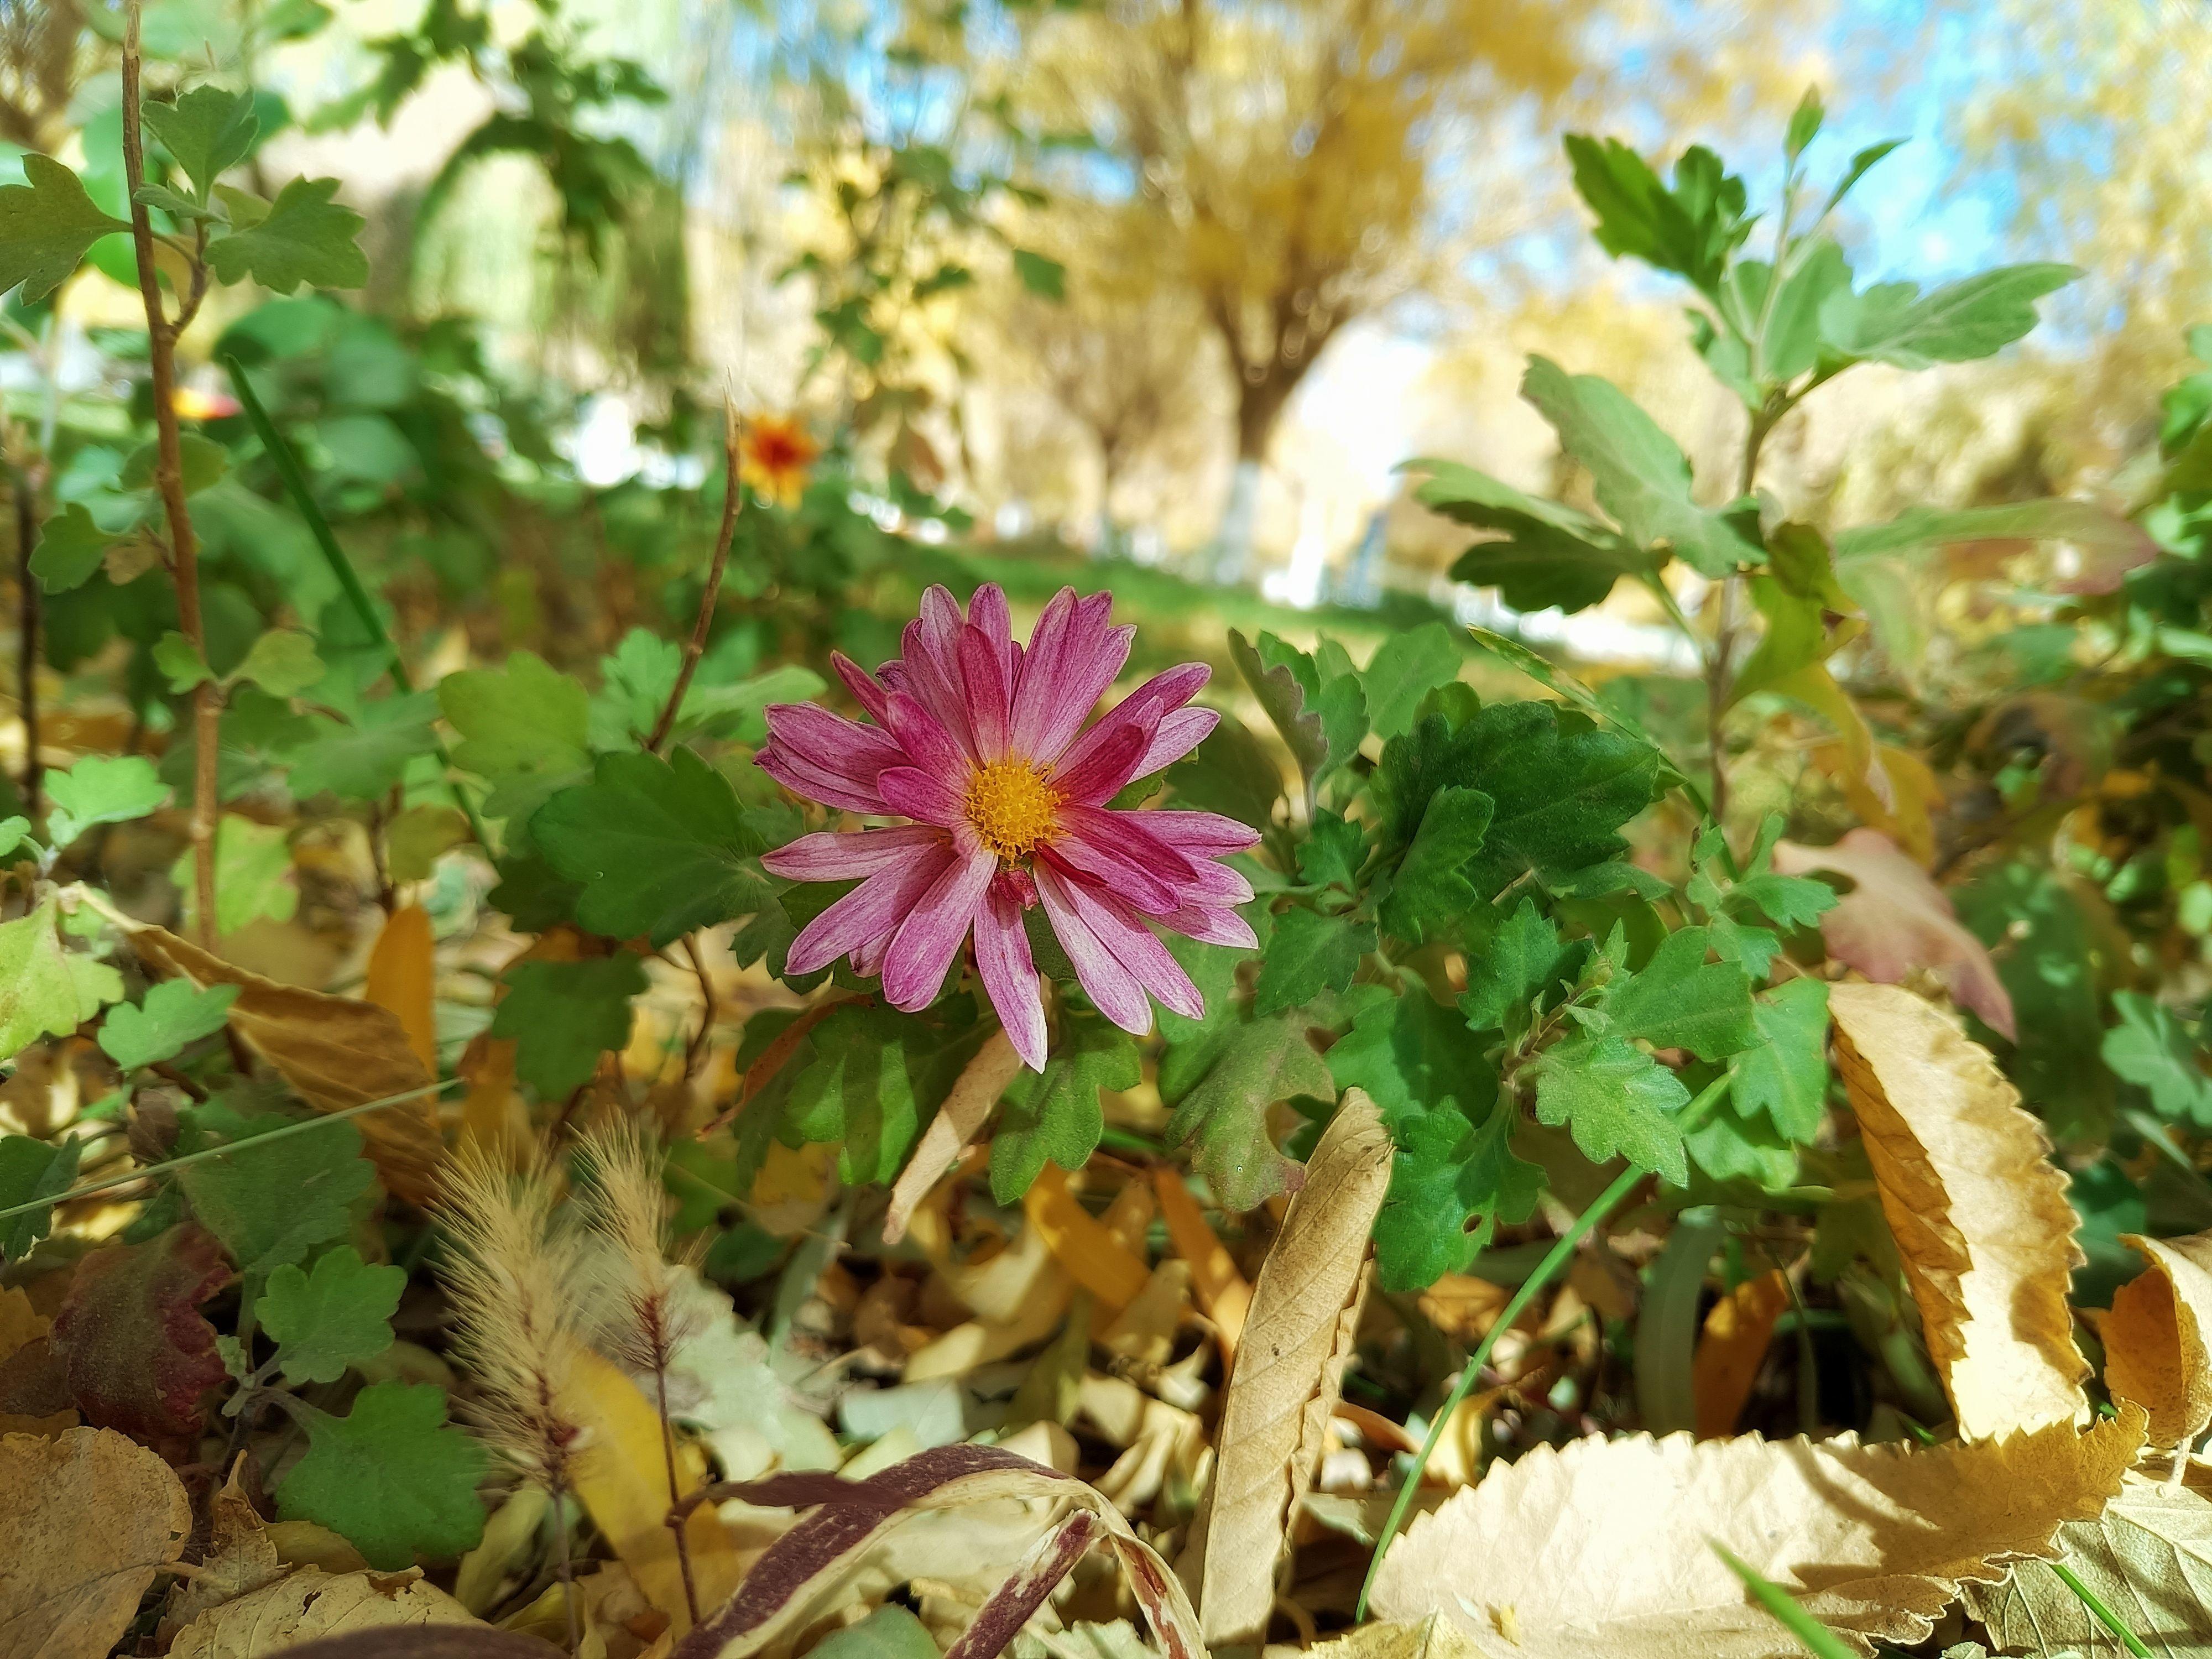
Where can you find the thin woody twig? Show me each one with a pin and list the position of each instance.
(696, 647)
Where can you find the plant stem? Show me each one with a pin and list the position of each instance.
(1549, 1268)
(28, 633)
(169, 480)
(696, 647)
(678, 1526)
(349, 583)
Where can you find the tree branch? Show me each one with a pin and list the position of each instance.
(696, 647)
(169, 480)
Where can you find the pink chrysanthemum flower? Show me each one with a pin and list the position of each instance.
(981, 742)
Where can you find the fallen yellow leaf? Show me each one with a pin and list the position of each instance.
(402, 977)
(1603, 1550)
(2154, 1337)
(1093, 1256)
(1978, 1209)
(1289, 1367)
(1731, 1349)
(310, 1603)
(1220, 1289)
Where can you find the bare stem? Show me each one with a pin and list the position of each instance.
(169, 481)
(677, 1525)
(696, 647)
(27, 633)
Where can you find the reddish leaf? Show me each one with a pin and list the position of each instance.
(1895, 920)
(138, 1355)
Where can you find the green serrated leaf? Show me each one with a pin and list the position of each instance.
(1640, 474)
(367, 758)
(1679, 1000)
(326, 1321)
(1046, 278)
(272, 1201)
(1221, 1084)
(873, 1075)
(1895, 322)
(1689, 229)
(206, 131)
(1056, 1113)
(31, 1169)
(44, 990)
(564, 1015)
(1404, 669)
(2152, 1048)
(392, 1477)
(661, 847)
(525, 730)
(1432, 888)
(101, 789)
(1523, 963)
(181, 662)
(1551, 555)
(1784, 1073)
(175, 1014)
(1334, 853)
(1451, 1184)
(252, 875)
(1617, 1101)
(282, 662)
(202, 462)
(45, 226)
(70, 548)
(1309, 953)
(305, 237)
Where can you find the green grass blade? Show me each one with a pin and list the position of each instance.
(2103, 1615)
(1818, 1638)
(303, 499)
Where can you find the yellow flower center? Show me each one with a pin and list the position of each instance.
(1012, 807)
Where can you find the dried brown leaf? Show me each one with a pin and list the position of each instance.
(240, 1556)
(1604, 1550)
(2154, 1337)
(89, 1518)
(1895, 922)
(403, 976)
(1290, 1364)
(310, 1603)
(1732, 1348)
(1978, 1209)
(335, 1052)
(2148, 1558)
(974, 1092)
(1432, 1637)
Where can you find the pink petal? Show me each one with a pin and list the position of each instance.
(1203, 833)
(869, 695)
(1113, 987)
(984, 681)
(1100, 774)
(1129, 833)
(1067, 669)
(1117, 867)
(927, 797)
(987, 610)
(1211, 926)
(927, 940)
(817, 784)
(831, 743)
(927, 744)
(868, 913)
(933, 680)
(1009, 976)
(1133, 945)
(1179, 734)
(1215, 884)
(834, 857)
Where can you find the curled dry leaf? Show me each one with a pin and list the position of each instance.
(1604, 1550)
(90, 1517)
(974, 1092)
(240, 1557)
(802, 1571)
(2154, 1337)
(1731, 1349)
(335, 1052)
(1290, 1366)
(1978, 1209)
(1896, 921)
(2148, 1558)
(309, 1603)
(402, 976)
